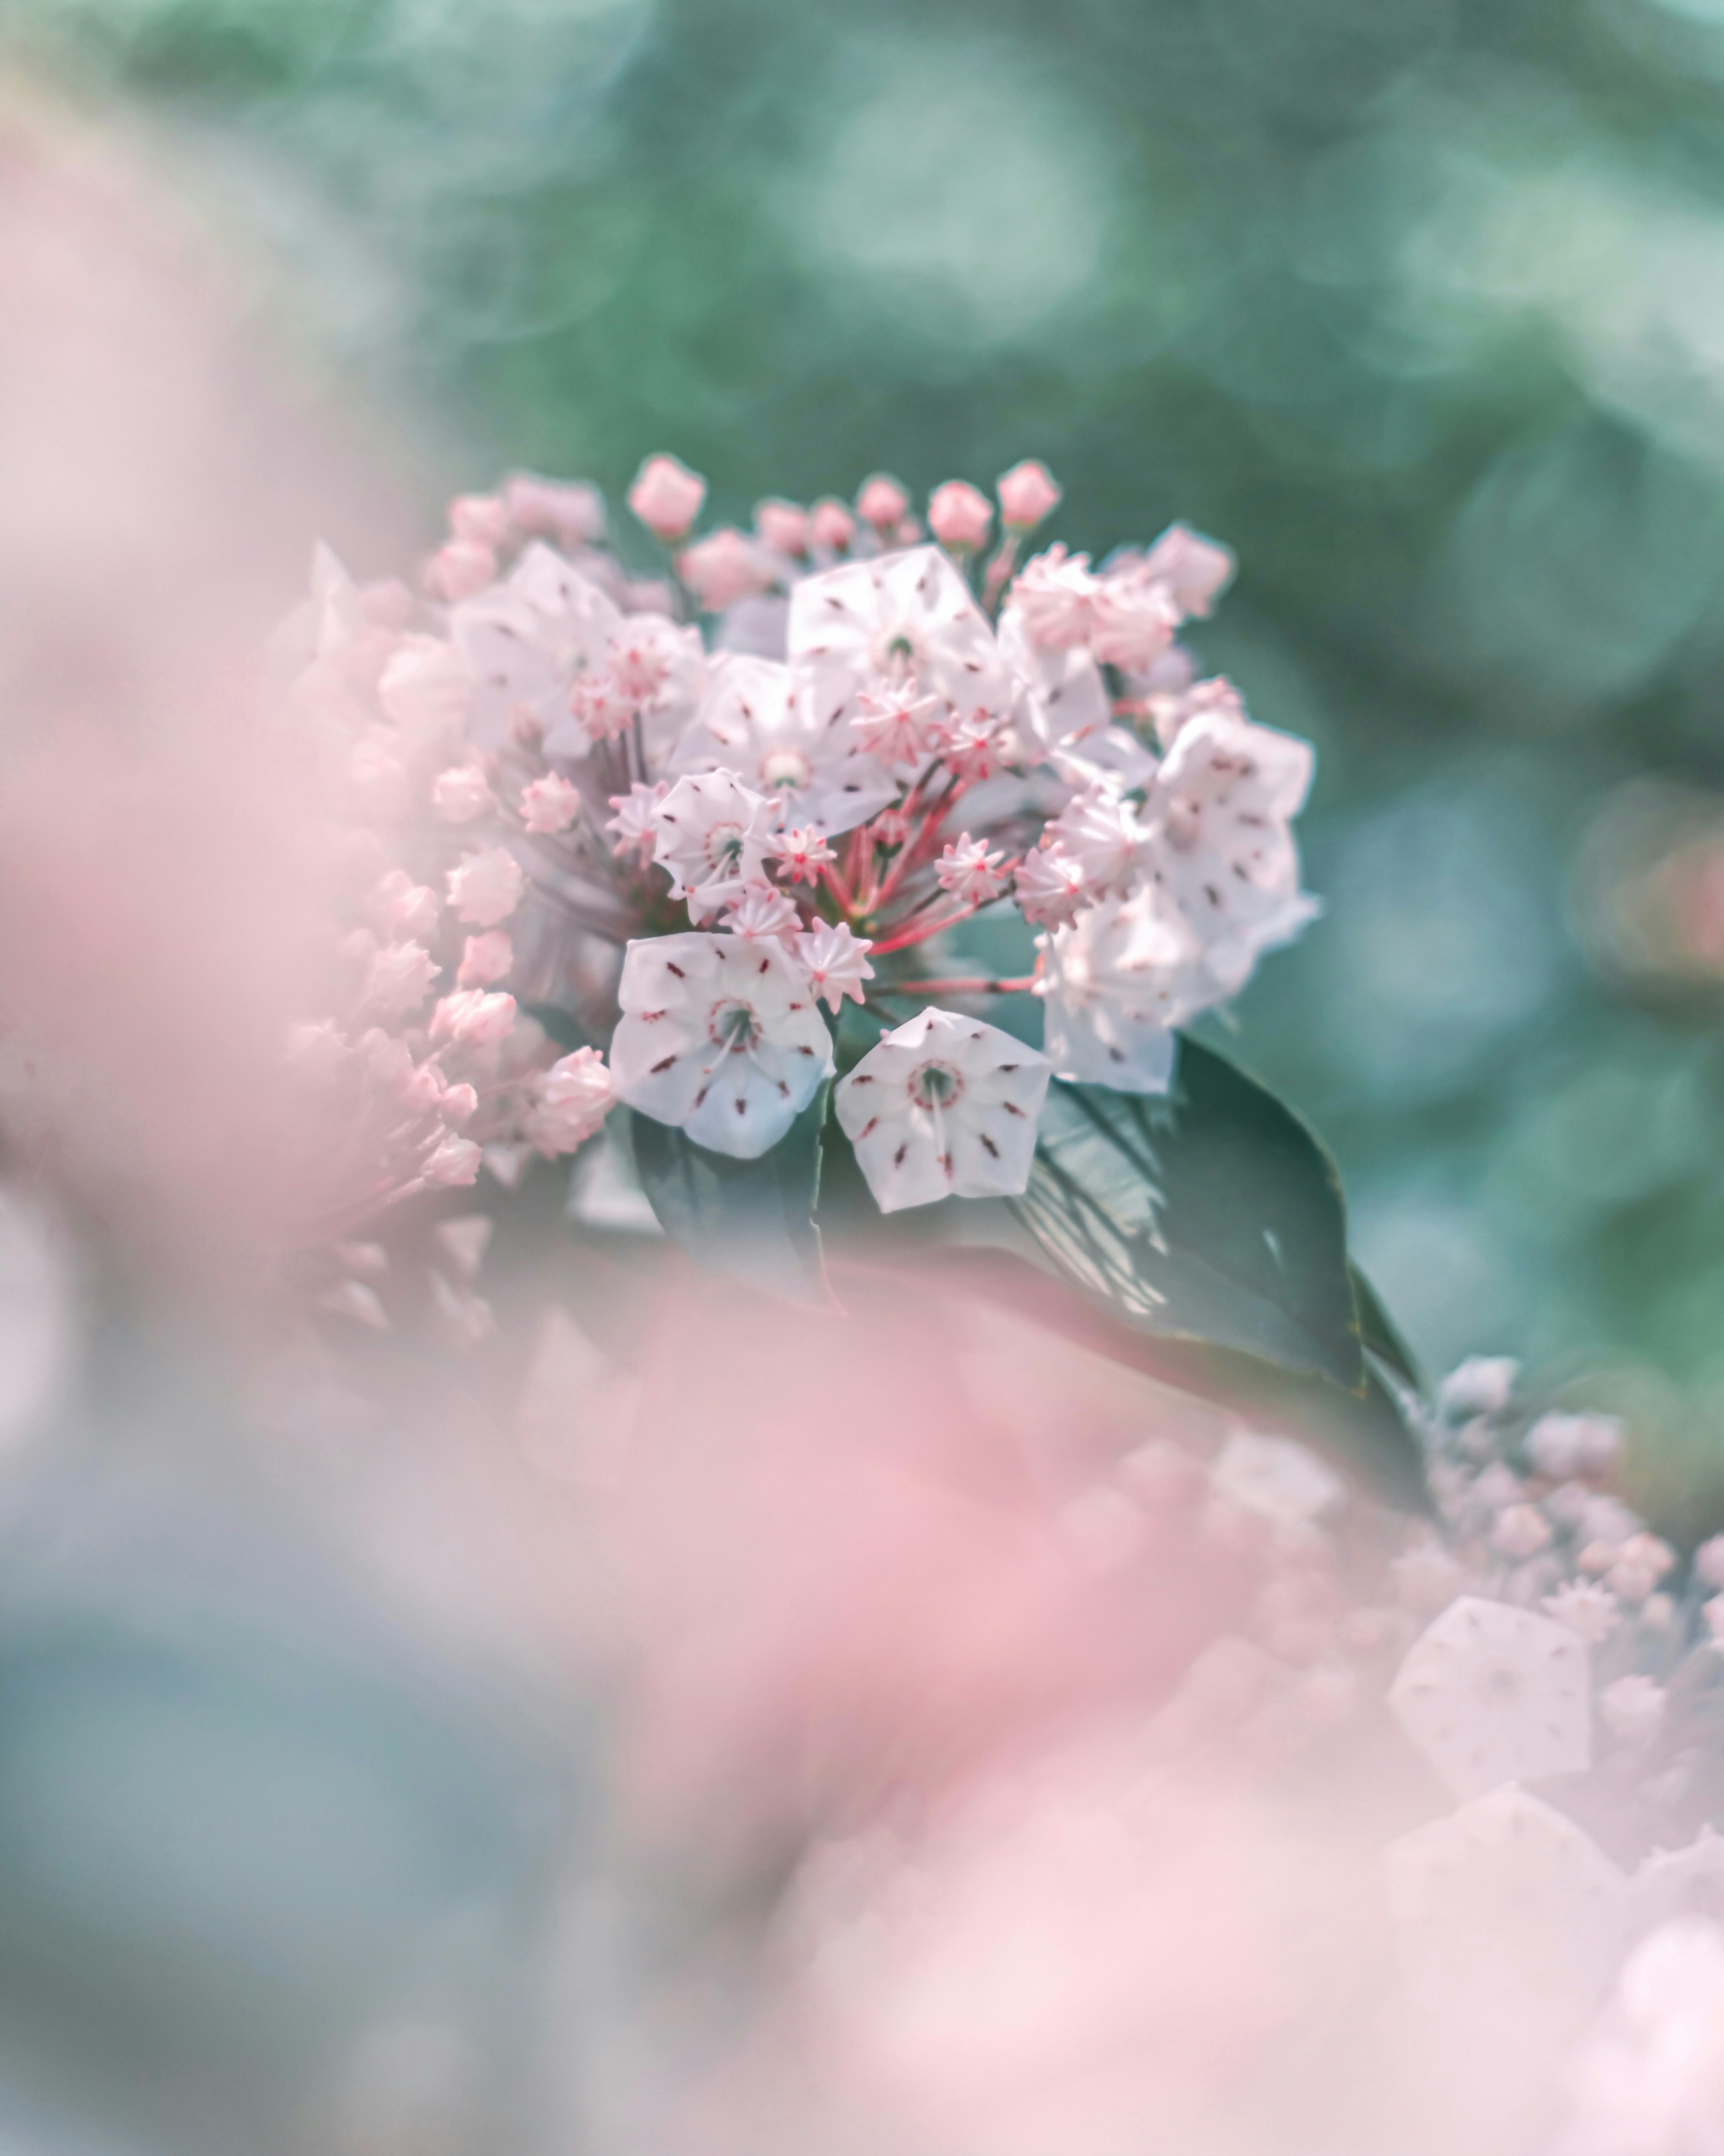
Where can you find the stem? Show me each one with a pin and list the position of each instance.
(977, 985)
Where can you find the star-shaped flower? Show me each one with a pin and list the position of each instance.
(837, 960)
(720, 1037)
(1491, 1693)
(944, 1106)
(713, 835)
(762, 722)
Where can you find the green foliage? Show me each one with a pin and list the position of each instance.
(750, 1220)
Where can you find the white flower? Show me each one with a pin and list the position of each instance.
(837, 960)
(1681, 1882)
(1585, 1607)
(1279, 1480)
(570, 1101)
(944, 1106)
(1650, 2082)
(1505, 1908)
(1632, 1709)
(1709, 1561)
(1219, 845)
(903, 615)
(719, 1036)
(713, 835)
(1492, 1694)
(1484, 1385)
(485, 888)
(1114, 984)
(525, 644)
(1195, 569)
(762, 722)
(1069, 702)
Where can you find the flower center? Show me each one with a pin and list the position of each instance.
(734, 1025)
(1499, 1684)
(724, 846)
(896, 652)
(935, 1085)
(785, 770)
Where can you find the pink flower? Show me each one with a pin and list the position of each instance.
(803, 854)
(832, 527)
(783, 526)
(407, 907)
(1195, 569)
(400, 978)
(456, 1160)
(1049, 886)
(1056, 595)
(319, 1048)
(970, 745)
(462, 794)
(636, 823)
(600, 704)
(640, 664)
(882, 502)
(570, 1100)
(837, 960)
(666, 496)
(573, 514)
(485, 959)
(480, 520)
(458, 1106)
(724, 568)
(959, 516)
(473, 1018)
(549, 804)
(764, 915)
(459, 568)
(1132, 622)
(969, 872)
(486, 887)
(1027, 494)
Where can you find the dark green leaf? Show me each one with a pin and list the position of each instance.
(1360, 1427)
(1381, 1335)
(751, 1220)
(1212, 1216)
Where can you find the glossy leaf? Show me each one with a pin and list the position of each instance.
(1212, 1215)
(750, 1220)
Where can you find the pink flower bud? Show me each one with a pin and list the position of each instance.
(459, 1105)
(459, 569)
(881, 502)
(473, 1018)
(485, 959)
(651, 595)
(666, 496)
(724, 569)
(550, 804)
(833, 526)
(959, 516)
(1027, 494)
(462, 794)
(570, 513)
(783, 526)
(456, 1160)
(479, 519)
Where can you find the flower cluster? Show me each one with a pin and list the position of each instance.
(696, 849)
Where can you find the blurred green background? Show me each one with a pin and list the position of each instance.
(1418, 303)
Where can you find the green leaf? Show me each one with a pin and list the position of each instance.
(750, 1220)
(1360, 1428)
(1382, 1336)
(1212, 1216)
